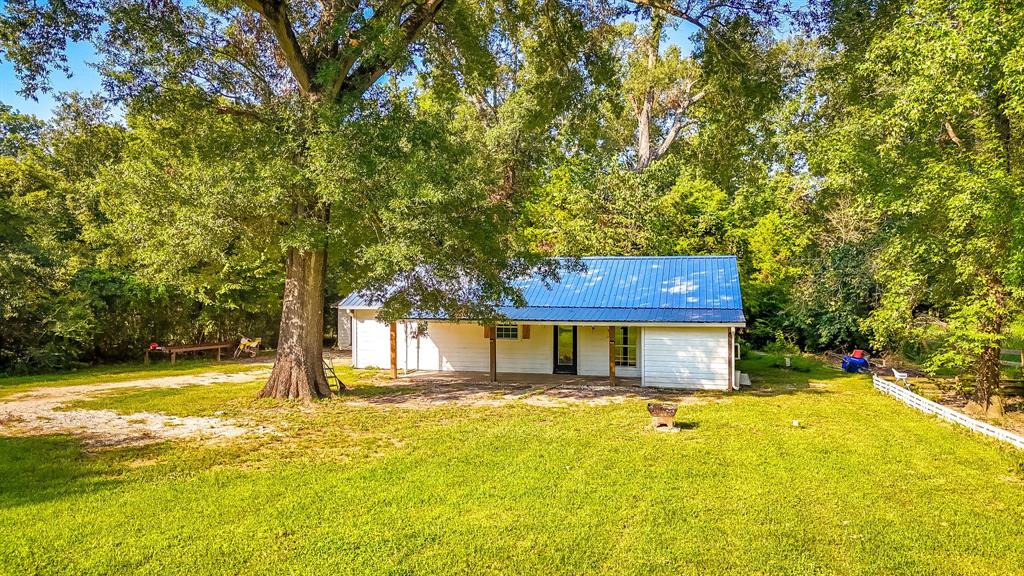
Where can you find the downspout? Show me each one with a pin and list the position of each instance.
(733, 379)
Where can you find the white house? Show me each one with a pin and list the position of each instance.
(668, 321)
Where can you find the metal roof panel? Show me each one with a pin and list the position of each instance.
(684, 289)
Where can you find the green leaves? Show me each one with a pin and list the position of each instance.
(923, 130)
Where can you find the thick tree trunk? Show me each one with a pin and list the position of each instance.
(298, 370)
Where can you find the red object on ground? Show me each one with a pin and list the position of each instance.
(858, 354)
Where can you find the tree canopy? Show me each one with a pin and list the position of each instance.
(861, 159)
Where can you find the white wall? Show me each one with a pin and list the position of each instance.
(535, 355)
(592, 353)
(456, 346)
(448, 346)
(371, 341)
(344, 329)
(690, 358)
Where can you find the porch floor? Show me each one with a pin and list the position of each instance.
(515, 379)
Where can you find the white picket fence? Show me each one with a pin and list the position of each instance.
(929, 407)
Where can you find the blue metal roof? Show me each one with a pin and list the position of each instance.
(656, 289)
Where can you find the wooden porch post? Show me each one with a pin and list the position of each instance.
(394, 350)
(494, 354)
(611, 355)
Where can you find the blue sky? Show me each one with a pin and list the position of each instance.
(86, 79)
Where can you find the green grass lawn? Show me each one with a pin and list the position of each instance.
(864, 485)
(123, 373)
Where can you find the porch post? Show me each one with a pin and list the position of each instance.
(394, 350)
(611, 355)
(494, 355)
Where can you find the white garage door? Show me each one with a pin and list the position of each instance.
(690, 358)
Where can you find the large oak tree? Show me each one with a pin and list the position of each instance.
(304, 123)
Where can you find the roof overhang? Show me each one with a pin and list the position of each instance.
(557, 321)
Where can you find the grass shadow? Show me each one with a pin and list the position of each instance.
(37, 469)
(769, 376)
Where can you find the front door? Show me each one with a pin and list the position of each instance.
(565, 349)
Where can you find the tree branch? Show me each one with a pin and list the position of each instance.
(677, 125)
(668, 7)
(240, 112)
(369, 71)
(275, 12)
(952, 134)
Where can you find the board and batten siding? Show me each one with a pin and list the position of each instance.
(689, 358)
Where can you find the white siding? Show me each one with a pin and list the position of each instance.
(371, 343)
(592, 353)
(534, 355)
(424, 355)
(691, 358)
(459, 347)
(448, 346)
(344, 329)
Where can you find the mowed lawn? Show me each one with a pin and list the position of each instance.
(864, 485)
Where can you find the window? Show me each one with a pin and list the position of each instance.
(626, 340)
(507, 332)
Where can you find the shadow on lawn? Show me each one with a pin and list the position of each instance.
(769, 380)
(36, 469)
(534, 390)
(768, 377)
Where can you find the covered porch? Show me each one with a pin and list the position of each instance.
(516, 378)
(548, 351)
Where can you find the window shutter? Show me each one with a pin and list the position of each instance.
(524, 331)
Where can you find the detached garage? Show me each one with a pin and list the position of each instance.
(666, 322)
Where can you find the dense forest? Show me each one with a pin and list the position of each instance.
(862, 158)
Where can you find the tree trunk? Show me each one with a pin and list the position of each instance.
(986, 383)
(298, 370)
(643, 115)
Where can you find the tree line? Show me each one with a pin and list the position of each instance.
(862, 160)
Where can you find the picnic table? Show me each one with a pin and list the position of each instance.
(175, 350)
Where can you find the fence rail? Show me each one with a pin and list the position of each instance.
(1011, 352)
(925, 405)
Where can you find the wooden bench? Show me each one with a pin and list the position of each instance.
(174, 350)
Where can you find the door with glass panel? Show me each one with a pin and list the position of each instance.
(565, 349)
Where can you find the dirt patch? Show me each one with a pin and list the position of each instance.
(40, 412)
(431, 393)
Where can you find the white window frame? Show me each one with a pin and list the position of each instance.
(512, 332)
